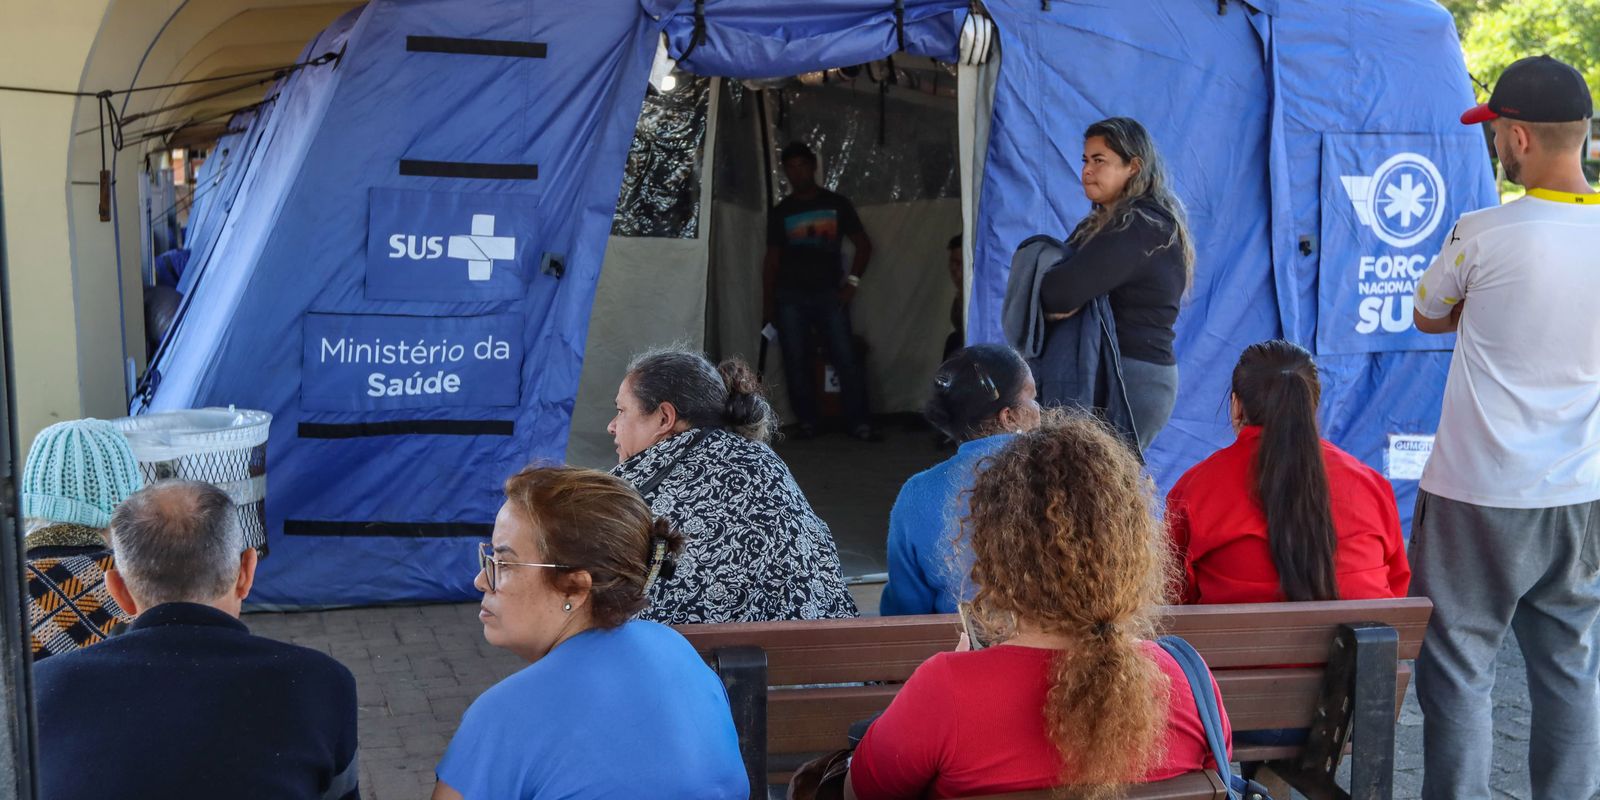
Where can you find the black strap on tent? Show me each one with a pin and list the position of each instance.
(890, 76)
(698, 37)
(406, 530)
(900, 25)
(408, 427)
(468, 169)
(475, 47)
(883, 112)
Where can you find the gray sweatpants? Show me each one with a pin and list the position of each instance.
(1536, 572)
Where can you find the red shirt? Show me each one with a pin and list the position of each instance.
(973, 723)
(1220, 530)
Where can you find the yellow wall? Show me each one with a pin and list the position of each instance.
(68, 315)
(43, 43)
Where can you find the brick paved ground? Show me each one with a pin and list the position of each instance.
(1509, 777)
(418, 667)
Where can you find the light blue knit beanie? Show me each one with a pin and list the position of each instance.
(78, 472)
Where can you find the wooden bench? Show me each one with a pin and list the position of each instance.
(778, 675)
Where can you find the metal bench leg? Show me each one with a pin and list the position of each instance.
(1357, 706)
(1372, 726)
(744, 675)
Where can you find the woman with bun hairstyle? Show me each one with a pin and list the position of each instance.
(1071, 568)
(1283, 514)
(692, 438)
(982, 396)
(573, 554)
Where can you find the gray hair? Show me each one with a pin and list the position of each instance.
(177, 541)
(727, 395)
(1128, 139)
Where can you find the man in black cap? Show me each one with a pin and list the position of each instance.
(805, 288)
(1506, 533)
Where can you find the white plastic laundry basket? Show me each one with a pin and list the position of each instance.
(225, 447)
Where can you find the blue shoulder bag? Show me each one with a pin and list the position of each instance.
(1205, 700)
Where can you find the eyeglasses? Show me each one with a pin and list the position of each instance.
(491, 565)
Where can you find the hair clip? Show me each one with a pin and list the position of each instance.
(985, 381)
(658, 553)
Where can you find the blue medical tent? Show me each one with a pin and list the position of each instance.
(402, 267)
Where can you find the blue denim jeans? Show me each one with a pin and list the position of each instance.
(800, 315)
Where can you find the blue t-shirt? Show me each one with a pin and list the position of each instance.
(924, 577)
(626, 713)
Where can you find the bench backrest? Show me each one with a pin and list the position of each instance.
(1248, 646)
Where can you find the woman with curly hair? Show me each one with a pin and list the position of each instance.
(1071, 568)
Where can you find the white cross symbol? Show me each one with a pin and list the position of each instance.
(1405, 200)
(482, 248)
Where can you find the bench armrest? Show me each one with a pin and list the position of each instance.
(1357, 707)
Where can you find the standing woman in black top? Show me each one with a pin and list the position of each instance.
(1134, 245)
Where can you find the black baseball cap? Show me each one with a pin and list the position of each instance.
(1536, 89)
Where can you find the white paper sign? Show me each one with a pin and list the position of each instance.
(1406, 456)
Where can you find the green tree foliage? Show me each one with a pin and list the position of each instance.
(1465, 10)
(1495, 33)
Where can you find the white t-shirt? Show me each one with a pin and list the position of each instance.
(1520, 426)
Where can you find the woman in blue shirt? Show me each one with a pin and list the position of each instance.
(609, 706)
(981, 396)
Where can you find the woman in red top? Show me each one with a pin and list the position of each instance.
(1282, 514)
(1070, 568)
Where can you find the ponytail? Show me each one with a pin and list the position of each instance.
(1105, 678)
(1277, 386)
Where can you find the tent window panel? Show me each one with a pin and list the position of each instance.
(844, 121)
(661, 187)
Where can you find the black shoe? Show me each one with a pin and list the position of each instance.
(866, 433)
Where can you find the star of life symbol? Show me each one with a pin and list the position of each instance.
(482, 248)
(1402, 202)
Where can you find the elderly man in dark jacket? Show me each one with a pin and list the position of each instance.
(188, 703)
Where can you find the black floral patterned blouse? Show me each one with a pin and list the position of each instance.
(755, 550)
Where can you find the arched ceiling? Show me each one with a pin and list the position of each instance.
(151, 42)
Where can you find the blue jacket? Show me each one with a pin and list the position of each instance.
(1075, 361)
(188, 703)
(923, 576)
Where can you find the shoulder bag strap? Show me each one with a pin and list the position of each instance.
(654, 481)
(1205, 701)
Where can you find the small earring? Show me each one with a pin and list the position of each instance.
(567, 608)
